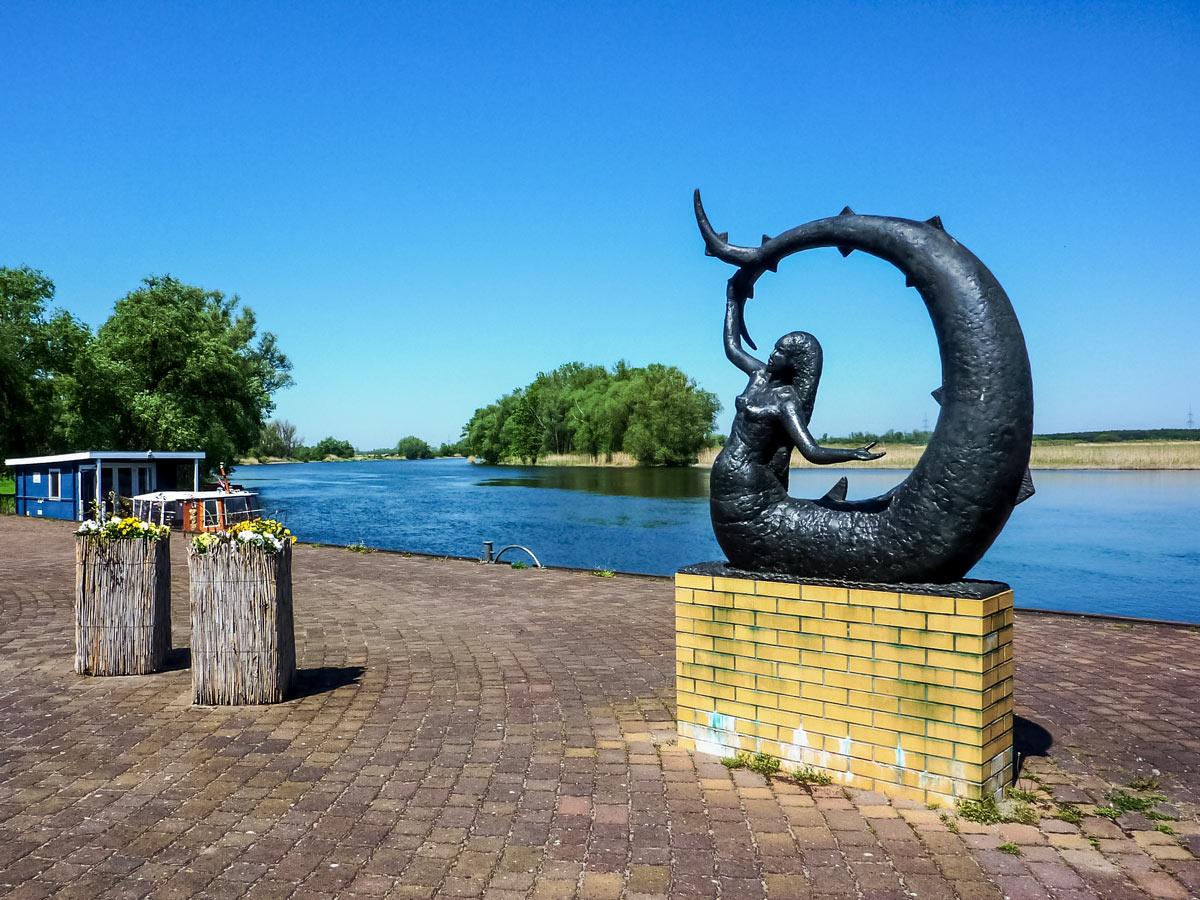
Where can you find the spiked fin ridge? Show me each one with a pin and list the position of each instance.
(724, 236)
(837, 493)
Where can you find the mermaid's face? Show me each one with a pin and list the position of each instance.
(785, 357)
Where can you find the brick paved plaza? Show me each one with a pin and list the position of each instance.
(474, 731)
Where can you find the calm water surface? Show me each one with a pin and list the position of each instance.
(1108, 542)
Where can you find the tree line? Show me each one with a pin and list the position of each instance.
(278, 440)
(656, 414)
(175, 367)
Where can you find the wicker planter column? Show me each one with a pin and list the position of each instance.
(243, 643)
(122, 605)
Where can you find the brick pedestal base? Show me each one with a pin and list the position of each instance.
(906, 693)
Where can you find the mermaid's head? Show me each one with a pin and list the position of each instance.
(797, 358)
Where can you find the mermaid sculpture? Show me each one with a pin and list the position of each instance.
(940, 520)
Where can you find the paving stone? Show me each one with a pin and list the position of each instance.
(474, 731)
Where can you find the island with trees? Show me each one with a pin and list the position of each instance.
(656, 414)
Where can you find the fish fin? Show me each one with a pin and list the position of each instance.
(746, 336)
(936, 222)
(939, 395)
(847, 211)
(838, 491)
(1026, 490)
(845, 251)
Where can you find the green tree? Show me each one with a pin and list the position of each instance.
(177, 368)
(658, 414)
(670, 417)
(278, 438)
(413, 448)
(331, 446)
(38, 360)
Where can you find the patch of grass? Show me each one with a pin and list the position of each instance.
(1010, 848)
(985, 811)
(1107, 812)
(1024, 813)
(603, 573)
(740, 761)
(360, 547)
(1129, 803)
(1155, 816)
(950, 822)
(1142, 783)
(519, 565)
(1069, 812)
(1164, 828)
(1023, 796)
(1095, 842)
(933, 805)
(809, 775)
(764, 764)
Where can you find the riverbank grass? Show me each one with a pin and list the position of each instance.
(1146, 455)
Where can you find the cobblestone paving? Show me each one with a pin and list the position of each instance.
(471, 731)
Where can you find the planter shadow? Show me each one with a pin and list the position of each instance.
(322, 679)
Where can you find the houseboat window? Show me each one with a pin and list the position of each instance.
(54, 489)
(212, 514)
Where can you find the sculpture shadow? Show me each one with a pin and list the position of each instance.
(1029, 739)
(321, 679)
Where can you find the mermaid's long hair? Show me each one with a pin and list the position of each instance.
(803, 352)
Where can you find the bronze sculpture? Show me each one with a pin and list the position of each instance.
(938, 522)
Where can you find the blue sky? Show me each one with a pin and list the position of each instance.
(429, 203)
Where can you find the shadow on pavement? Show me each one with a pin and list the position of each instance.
(1029, 739)
(324, 678)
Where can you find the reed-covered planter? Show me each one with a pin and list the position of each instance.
(122, 605)
(243, 642)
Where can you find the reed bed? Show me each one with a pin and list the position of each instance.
(1117, 455)
(1144, 455)
(122, 606)
(243, 638)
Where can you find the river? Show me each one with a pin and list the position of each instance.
(1122, 543)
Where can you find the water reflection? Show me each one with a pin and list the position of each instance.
(683, 483)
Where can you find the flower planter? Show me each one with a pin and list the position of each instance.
(122, 605)
(243, 643)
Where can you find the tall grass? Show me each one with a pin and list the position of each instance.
(1127, 455)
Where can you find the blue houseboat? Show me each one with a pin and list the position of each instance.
(73, 485)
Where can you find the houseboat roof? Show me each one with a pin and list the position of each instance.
(106, 455)
(179, 496)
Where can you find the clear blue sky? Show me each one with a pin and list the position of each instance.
(430, 202)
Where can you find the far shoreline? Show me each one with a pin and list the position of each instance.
(1146, 456)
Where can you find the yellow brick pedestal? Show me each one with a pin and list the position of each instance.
(907, 691)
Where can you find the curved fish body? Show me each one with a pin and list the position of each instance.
(936, 524)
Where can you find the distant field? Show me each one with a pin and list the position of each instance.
(1049, 455)
(1126, 455)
